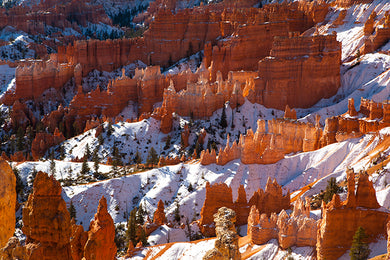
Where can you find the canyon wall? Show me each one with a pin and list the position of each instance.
(7, 202)
(220, 195)
(340, 220)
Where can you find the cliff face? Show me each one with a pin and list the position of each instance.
(7, 202)
(360, 209)
(46, 221)
(220, 195)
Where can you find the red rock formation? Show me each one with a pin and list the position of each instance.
(13, 250)
(21, 116)
(379, 38)
(340, 19)
(34, 19)
(18, 157)
(159, 215)
(101, 234)
(294, 88)
(168, 161)
(351, 107)
(220, 195)
(44, 141)
(7, 202)
(369, 25)
(226, 245)
(185, 134)
(349, 3)
(77, 241)
(283, 137)
(360, 209)
(297, 229)
(46, 221)
(290, 113)
(388, 241)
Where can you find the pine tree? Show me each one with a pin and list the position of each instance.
(167, 142)
(19, 182)
(87, 152)
(84, 167)
(137, 158)
(131, 232)
(52, 165)
(152, 157)
(95, 159)
(223, 122)
(72, 211)
(140, 215)
(177, 212)
(359, 248)
(62, 152)
(331, 189)
(109, 129)
(20, 145)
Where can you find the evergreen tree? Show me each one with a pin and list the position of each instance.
(359, 248)
(87, 152)
(152, 157)
(19, 182)
(72, 211)
(100, 139)
(95, 159)
(131, 232)
(167, 142)
(177, 212)
(137, 158)
(84, 167)
(20, 145)
(109, 129)
(140, 215)
(117, 160)
(189, 231)
(52, 165)
(223, 122)
(62, 152)
(331, 189)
